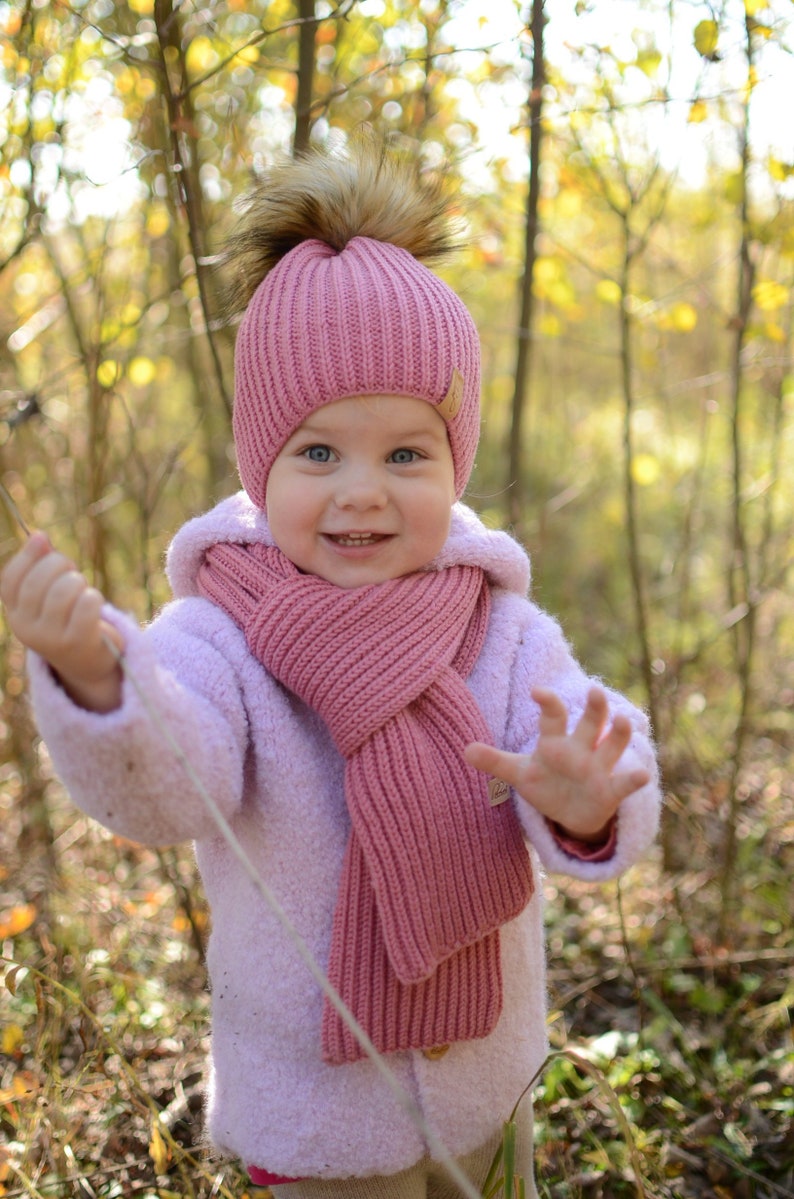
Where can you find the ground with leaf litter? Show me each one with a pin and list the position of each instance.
(672, 1065)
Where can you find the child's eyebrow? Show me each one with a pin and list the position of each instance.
(417, 434)
(319, 432)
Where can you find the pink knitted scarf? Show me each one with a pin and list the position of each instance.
(431, 869)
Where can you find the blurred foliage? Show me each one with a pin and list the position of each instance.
(660, 394)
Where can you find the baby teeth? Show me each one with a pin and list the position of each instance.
(356, 539)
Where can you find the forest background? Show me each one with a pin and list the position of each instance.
(627, 188)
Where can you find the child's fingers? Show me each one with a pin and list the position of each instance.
(82, 610)
(590, 727)
(50, 581)
(627, 782)
(16, 570)
(494, 761)
(611, 747)
(553, 713)
(43, 617)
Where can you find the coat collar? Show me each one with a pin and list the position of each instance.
(236, 519)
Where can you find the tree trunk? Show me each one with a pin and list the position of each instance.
(629, 485)
(516, 480)
(305, 93)
(741, 590)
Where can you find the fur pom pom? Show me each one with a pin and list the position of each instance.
(370, 189)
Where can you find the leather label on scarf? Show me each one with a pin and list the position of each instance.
(498, 792)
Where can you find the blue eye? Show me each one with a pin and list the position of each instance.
(318, 453)
(403, 457)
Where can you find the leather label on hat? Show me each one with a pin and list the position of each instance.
(450, 405)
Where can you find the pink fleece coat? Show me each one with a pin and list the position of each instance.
(271, 767)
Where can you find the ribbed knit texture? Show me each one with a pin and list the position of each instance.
(431, 869)
(326, 324)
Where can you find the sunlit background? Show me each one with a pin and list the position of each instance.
(637, 437)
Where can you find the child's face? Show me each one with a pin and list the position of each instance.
(363, 491)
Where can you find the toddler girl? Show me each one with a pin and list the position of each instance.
(395, 733)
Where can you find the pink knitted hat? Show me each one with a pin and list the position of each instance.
(369, 319)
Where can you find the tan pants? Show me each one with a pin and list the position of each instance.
(425, 1180)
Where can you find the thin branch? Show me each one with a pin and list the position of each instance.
(340, 12)
(163, 15)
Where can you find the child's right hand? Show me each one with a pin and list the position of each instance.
(52, 609)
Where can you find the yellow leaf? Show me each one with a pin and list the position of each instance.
(131, 314)
(200, 56)
(770, 295)
(109, 329)
(23, 1085)
(780, 171)
(158, 1150)
(645, 469)
(561, 293)
(125, 82)
(17, 920)
(181, 924)
(248, 55)
(108, 372)
(141, 372)
(607, 291)
(144, 8)
(706, 37)
(683, 318)
(547, 270)
(12, 1038)
(569, 204)
(158, 222)
(648, 61)
(698, 112)
(43, 128)
(550, 325)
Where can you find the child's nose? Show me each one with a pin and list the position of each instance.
(360, 488)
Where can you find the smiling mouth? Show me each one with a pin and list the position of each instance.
(356, 540)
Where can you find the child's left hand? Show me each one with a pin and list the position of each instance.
(569, 778)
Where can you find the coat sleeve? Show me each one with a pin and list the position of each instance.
(181, 703)
(544, 659)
